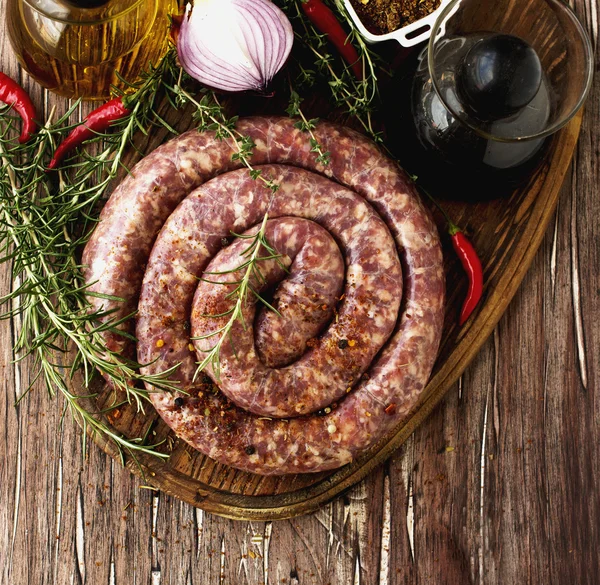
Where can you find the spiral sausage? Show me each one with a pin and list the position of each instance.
(279, 412)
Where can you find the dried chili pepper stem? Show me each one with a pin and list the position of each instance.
(14, 95)
(96, 122)
(325, 21)
(470, 262)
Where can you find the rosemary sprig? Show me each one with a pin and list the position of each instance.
(252, 255)
(49, 296)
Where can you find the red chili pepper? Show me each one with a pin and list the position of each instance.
(326, 23)
(468, 258)
(95, 122)
(472, 266)
(13, 94)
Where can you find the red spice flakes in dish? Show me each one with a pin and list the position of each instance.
(384, 16)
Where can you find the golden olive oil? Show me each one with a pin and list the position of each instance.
(76, 51)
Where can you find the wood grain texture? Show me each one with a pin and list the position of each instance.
(514, 501)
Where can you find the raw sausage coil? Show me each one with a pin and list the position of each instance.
(359, 353)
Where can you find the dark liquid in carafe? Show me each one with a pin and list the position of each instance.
(447, 156)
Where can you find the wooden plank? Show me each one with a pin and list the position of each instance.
(547, 492)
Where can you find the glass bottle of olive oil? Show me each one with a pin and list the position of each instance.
(76, 47)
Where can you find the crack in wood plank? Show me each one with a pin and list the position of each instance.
(80, 534)
(308, 546)
(222, 562)
(332, 539)
(17, 490)
(554, 252)
(495, 397)
(58, 506)
(482, 468)
(594, 23)
(266, 546)
(332, 527)
(590, 10)
(199, 521)
(16, 370)
(386, 532)
(576, 287)
(359, 496)
(483, 537)
(156, 571)
(407, 471)
(356, 580)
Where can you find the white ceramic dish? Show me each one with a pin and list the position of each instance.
(408, 36)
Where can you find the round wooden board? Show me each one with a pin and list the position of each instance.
(506, 233)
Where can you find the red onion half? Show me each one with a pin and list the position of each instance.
(234, 45)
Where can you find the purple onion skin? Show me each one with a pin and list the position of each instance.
(271, 55)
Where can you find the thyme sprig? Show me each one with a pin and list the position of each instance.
(316, 61)
(252, 255)
(306, 125)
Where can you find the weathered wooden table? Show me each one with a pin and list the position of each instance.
(498, 486)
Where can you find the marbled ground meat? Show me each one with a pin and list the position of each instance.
(347, 355)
